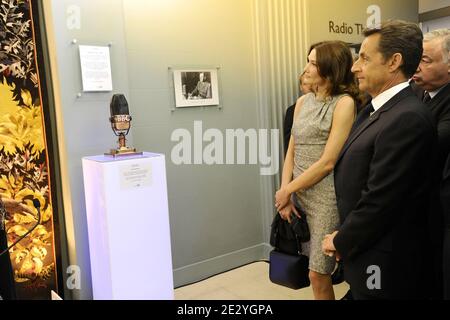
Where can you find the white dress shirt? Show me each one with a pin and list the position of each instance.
(385, 96)
(435, 92)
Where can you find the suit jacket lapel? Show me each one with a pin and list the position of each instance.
(374, 118)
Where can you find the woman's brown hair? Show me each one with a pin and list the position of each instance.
(334, 62)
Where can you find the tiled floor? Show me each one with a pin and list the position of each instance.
(250, 282)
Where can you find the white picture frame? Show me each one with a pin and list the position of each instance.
(195, 87)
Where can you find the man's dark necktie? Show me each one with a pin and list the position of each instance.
(426, 98)
(363, 116)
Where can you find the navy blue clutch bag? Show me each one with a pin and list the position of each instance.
(288, 266)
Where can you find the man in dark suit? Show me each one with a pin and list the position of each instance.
(203, 88)
(445, 199)
(433, 77)
(7, 289)
(382, 176)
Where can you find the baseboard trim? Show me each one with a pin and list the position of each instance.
(204, 269)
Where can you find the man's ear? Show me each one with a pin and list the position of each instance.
(395, 62)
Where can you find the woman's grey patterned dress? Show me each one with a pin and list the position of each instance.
(310, 130)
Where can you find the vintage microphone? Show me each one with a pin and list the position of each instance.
(37, 205)
(120, 124)
(120, 115)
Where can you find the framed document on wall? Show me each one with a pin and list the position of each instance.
(95, 68)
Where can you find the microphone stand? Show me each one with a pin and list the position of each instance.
(37, 205)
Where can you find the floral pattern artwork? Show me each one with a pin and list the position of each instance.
(23, 160)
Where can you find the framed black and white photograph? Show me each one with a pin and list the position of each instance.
(195, 87)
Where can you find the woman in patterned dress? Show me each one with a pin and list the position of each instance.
(322, 123)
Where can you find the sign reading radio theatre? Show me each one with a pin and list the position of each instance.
(343, 28)
(374, 18)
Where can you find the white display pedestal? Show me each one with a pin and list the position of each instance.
(128, 227)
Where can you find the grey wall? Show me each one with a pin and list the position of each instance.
(440, 23)
(85, 126)
(215, 213)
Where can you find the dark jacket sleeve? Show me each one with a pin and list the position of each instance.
(287, 126)
(445, 192)
(443, 127)
(7, 287)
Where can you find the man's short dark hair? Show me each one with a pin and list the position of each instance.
(401, 37)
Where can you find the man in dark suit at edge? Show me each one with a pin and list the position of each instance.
(382, 176)
(433, 77)
(445, 199)
(7, 288)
